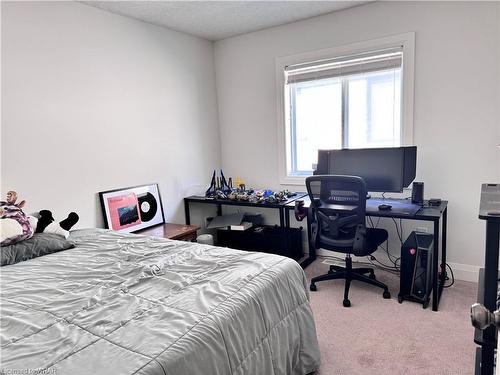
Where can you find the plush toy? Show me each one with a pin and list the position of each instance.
(15, 225)
(47, 224)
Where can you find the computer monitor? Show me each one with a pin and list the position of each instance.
(384, 169)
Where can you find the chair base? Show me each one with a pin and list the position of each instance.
(348, 274)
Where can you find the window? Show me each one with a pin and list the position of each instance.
(350, 100)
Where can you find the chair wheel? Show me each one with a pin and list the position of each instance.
(346, 303)
(330, 271)
(386, 294)
(313, 288)
(400, 299)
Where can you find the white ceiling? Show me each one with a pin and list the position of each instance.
(215, 20)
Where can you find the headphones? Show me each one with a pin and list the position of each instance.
(299, 210)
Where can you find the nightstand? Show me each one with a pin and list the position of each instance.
(171, 231)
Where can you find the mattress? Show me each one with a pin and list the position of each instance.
(126, 304)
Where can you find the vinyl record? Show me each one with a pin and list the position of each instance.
(147, 206)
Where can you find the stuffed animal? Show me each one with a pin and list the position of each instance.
(47, 224)
(15, 225)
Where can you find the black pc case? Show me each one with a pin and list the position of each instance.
(416, 268)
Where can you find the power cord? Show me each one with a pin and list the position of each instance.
(392, 258)
(399, 229)
(396, 268)
(447, 278)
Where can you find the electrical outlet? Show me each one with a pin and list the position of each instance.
(422, 229)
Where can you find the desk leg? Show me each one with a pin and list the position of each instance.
(443, 245)
(285, 229)
(186, 212)
(287, 219)
(435, 274)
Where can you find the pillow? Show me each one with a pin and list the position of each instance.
(38, 245)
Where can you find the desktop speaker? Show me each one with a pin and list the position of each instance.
(417, 193)
(416, 268)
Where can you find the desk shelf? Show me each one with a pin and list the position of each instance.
(264, 238)
(280, 239)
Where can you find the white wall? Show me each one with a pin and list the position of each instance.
(80, 86)
(456, 111)
(93, 101)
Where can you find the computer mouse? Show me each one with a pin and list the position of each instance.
(384, 207)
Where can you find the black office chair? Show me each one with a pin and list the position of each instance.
(337, 221)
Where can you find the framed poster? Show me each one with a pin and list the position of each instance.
(132, 209)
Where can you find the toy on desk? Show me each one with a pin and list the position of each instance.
(239, 182)
(219, 187)
(223, 184)
(211, 190)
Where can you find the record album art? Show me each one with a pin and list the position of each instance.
(147, 206)
(132, 209)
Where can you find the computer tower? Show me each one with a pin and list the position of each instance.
(416, 268)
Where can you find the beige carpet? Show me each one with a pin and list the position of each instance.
(378, 336)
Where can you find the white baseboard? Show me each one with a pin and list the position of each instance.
(464, 272)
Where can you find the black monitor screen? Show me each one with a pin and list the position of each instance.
(383, 169)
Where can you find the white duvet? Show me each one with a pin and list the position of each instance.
(126, 304)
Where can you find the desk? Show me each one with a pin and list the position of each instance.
(171, 231)
(435, 214)
(280, 206)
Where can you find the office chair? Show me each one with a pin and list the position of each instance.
(337, 221)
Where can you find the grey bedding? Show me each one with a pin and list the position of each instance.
(36, 246)
(125, 304)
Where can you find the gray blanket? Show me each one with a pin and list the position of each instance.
(125, 304)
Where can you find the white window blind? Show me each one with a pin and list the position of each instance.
(346, 65)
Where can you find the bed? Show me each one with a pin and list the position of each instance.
(126, 304)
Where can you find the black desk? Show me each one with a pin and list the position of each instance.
(280, 206)
(401, 210)
(227, 202)
(489, 210)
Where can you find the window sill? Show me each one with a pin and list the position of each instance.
(293, 180)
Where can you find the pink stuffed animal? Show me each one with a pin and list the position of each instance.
(15, 225)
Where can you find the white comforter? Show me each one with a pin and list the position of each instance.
(126, 304)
